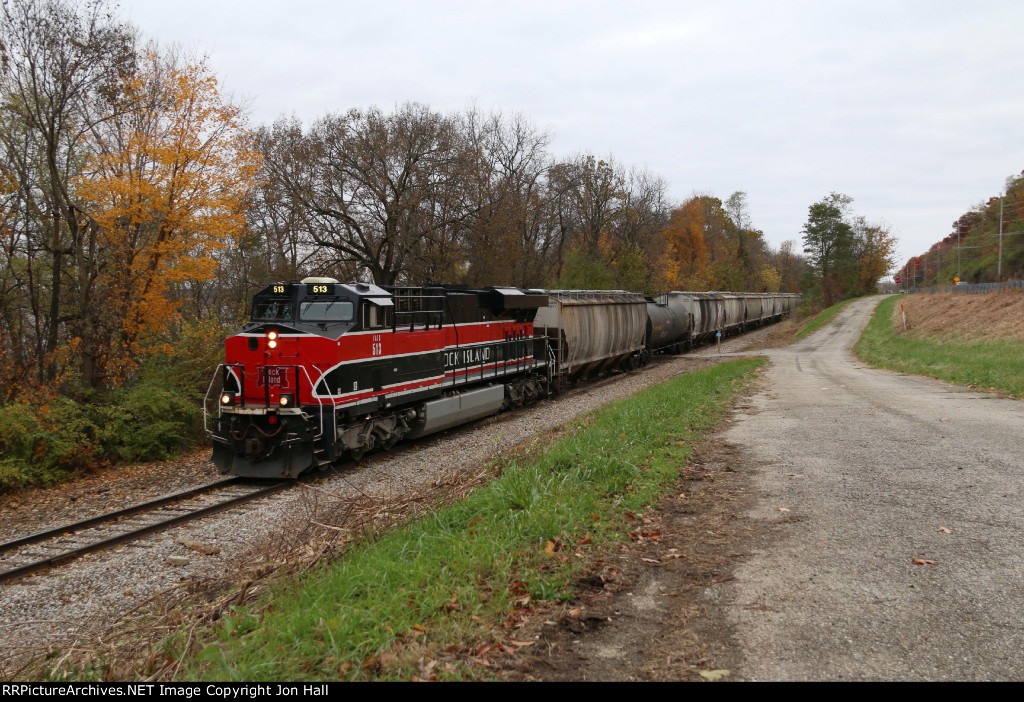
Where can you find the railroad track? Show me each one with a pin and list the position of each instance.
(44, 550)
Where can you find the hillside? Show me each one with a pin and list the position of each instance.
(955, 316)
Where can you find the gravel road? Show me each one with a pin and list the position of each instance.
(857, 472)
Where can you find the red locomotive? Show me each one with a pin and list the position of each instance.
(326, 369)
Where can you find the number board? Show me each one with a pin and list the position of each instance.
(279, 289)
(319, 289)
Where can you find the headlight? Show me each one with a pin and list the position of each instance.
(287, 400)
(271, 334)
(227, 398)
(271, 344)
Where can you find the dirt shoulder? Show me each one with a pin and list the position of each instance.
(647, 611)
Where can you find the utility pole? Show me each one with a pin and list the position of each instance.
(999, 268)
(958, 249)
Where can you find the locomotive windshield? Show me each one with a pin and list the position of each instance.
(279, 310)
(333, 311)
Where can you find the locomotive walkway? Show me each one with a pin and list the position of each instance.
(894, 523)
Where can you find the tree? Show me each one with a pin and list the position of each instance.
(828, 241)
(164, 191)
(507, 239)
(685, 260)
(846, 254)
(60, 60)
(381, 193)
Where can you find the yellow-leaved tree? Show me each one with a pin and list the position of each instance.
(684, 265)
(164, 191)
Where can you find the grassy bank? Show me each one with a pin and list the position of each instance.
(444, 585)
(989, 365)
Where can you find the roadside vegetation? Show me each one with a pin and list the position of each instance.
(426, 598)
(987, 364)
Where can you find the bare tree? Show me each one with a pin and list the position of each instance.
(59, 58)
(380, 191)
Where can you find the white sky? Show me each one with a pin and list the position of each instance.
(914, 109)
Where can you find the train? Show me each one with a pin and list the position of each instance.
(326, 371)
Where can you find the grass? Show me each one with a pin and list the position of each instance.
(822, 318)
(989, 365)
(440, 588)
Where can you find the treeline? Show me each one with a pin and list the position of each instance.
(984, 246)
(416, 196)
(139, 210)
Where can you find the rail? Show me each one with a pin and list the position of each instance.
(596, 296)
(72, 532)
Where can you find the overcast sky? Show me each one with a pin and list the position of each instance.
(914, 109)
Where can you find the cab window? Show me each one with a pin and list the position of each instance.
(375, 316)
(326, 311)
(279, 310)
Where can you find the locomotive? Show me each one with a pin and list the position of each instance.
(325, 371)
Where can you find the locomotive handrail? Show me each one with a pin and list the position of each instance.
(206, 397)
(312, 392)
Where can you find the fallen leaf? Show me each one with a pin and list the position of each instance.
(521, 644)
(781, 509)
(923, 561)
(714, 675)
(651, 560)
(673, 555)
(944, 530)
(549, 548)
(575, 612)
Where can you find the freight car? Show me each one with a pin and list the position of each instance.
(326, 371)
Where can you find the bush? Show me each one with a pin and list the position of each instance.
(41, 444)
(151, 421)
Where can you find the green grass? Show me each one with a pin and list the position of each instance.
(989, 365)
(447, 581)
(822, 318)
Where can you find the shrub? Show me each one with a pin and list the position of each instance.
(43, 443)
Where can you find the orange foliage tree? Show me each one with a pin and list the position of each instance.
(165, 190)
(684, 264)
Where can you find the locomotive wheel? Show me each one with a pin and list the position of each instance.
(357, 454)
